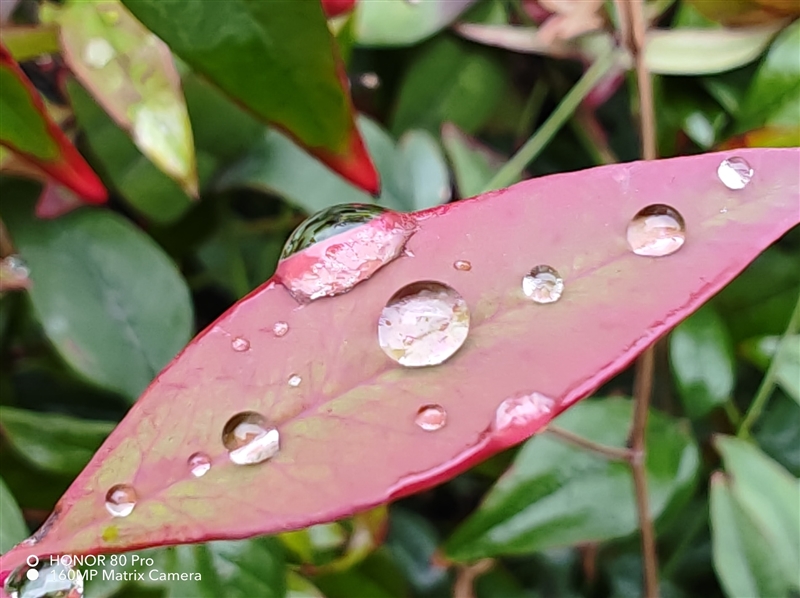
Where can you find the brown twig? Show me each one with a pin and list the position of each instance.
(609, 452)
(466, 576)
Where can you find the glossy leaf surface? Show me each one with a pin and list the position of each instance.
(348, 437)
(278, 60)
(400, 23)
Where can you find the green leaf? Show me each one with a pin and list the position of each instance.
(774, 94)
(375, 577)
(770, 496)
(12, 526)
(556, 494)
(787, 367)
(451, 81)
(26, 42)
(65, 448)
(130, 73)
(473, 164)
(743, 556)
(426, 178)
(400, 23)
(413, 541)
(701, 355)
(147, 189)
(778, 433)
(112, 303)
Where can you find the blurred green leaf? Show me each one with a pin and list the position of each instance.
(787, 367)
(375, 577)
(145, 187)
(12, 526)
(473, 164)
(26, 42)
(702, 359)
(426, 178)
(130, 73)
(65, 448)
(88, 269)
(298, 586)
(774, 94)
(556, 494)
(400, 22)
(778, 433)
(413, 541)
(450, 81)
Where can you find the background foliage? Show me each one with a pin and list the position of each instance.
(97, 301)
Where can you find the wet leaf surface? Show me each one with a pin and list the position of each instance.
(348, 438)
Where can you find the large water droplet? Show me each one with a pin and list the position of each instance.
(280, 329)
(656, 231)
(344, 245)
(462, 265)
(543, 284)
(199, 464)
(295, 380)
(522, 409)
(120, 500)
(424, 323)
(249, 439)
(45, 580)
(735, 173)
(240, 344)
(98, 52)
(431, 417)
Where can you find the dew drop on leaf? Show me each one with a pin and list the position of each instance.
(462, 265)
(431, 417)
(656, 231)
(295, 380)
(45, 580)
(120, 500)
(249, 439)
(522, 410)
(97, 52)
(240, 344)
(543, 284)
(280, 329)
(735, 173)
(423, 324)
(199, 464)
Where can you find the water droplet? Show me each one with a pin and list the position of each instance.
(370, 80)
(431, 417)
(543, 284)
(656, 231)
(45, 580)
(97, 52)
(462, 265)
(14, 273)
(249, 439)
(735, 173)
(342, 246)
(424, 323)
(240, 344)
(280, 329)
(199, 464)
(522, 409)
(120, 500)
(295, 380)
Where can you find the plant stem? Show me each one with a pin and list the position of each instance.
(539, 140)
(609, 452)
(533, 107)
(768, 381)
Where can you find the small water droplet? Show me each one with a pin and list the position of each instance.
(240, 344)
(343, 246)
(249, 439)
(543, 284)
(735, 173)
(723, 211)
(295, 380)
(424, 323)
(431, 417)
(121, 500)
(462, 265)
(280, 329)
(522, 409)
(370, 80)
(656, 231)
(45, 580)
(97, 52)
(14, 273)
(199, 464)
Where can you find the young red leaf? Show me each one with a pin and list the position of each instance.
(354, 430)
(334, 8)
(27, 130)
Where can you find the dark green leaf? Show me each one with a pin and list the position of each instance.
(556, 494)
(12, 526)
(778, 433)
(112, 303)
(375, 577)
(701, 355)
(412, 542)
(787, 363)
(451, 81)
(65, 448)
(473, 165)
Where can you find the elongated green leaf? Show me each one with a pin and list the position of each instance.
(426, 179)
(787, 373)
(399, 22)
(113, 326)
(130, 73)
(473, 165)
(701, 355)
(278, 60)
(556, 494)
(12, 526)
(66, 447)
(145, 187)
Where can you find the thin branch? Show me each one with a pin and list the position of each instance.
(609, 452)
(466, 576)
